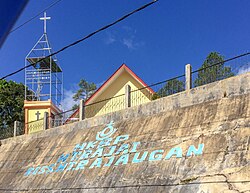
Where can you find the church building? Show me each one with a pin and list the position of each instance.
(111, 96)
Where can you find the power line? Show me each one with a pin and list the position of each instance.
(198, 70)
(84, 38)
(218, 63)
(35, 16)
(181, 76)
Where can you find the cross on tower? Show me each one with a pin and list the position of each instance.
(45, 18)
(37, 115)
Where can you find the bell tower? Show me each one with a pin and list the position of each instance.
(43, 85)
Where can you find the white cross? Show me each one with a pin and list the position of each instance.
(45, 18)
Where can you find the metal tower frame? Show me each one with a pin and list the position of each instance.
(43, 80)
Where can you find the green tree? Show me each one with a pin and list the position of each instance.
(11, 106)
(171, 87)
(207, 74)
(85, 91)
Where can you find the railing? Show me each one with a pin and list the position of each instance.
(56, 122)
(62, 118)
(51, 121)
(134, 96)
(35, 126)
(158, 90)
(105, 106)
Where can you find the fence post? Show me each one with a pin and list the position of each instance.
(188, 76)
(127, 96)
(46, 121)
(15, 128)
(81, 110)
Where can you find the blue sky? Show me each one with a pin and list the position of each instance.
(155, 43)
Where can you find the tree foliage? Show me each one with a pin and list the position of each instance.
(11, 106)
(86, 89)
(171, 87)
(209, 73)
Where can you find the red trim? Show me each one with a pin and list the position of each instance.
(139, 79)
(130, 71)
(71, 116)
(108, 80)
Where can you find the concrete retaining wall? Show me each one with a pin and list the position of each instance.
(194, 141)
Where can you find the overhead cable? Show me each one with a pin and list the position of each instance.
(82, 39)
(35, 16)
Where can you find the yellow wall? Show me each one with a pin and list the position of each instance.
(114, 90)
(31, 108)
(36, 125)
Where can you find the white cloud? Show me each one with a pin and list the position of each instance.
(110, 38)
(68, 101)
(244, 69)
(131, 44)
(130, 40)
(126, 37)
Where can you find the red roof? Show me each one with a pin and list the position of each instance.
(110, 78)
